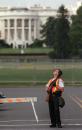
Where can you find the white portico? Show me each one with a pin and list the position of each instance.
(20, 26)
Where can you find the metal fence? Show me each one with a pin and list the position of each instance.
(38, 71)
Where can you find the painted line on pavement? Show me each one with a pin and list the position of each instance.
(24, 125)
(78, 99)
(18, 121)
(34, 111)
(46, 120)
(75, 100)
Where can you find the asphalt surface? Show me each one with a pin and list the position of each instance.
(22, 116)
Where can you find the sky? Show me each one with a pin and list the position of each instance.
(51, 3)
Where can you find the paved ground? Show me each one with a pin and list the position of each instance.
(22, 116)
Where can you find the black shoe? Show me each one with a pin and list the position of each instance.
(59, 126)
(52, 126)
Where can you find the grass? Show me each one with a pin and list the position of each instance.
(38, 73)
(26, 50)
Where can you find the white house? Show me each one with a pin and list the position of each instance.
(19, 26)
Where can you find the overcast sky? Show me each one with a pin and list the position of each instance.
(52, 3)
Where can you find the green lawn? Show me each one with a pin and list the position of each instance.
(27, 50)
(38, 72)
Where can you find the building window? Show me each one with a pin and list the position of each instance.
(26, 34)
(0, 35)
(6, 23)
(19, 34)
(32, 33)
(12, 34)
(32, 37)
(32, 23)
(32, 30)
(11, 22)
(6, 34)
(19, 22)
(26, 23)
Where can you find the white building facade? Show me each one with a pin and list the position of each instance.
(20, 26)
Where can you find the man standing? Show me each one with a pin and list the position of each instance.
(54, 88)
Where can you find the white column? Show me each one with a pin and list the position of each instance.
(35, 29)
(8, 30)
(38, 28)
(3, 30)
(30, 39)
(15, 32)
(23, 38)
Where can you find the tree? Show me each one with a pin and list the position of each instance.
(3, 44)
(48, 32)
(37, 43)
(62, 44)
(76, 32)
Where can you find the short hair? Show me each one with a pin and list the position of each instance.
(60, 73)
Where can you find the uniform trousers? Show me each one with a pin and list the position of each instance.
(54, 110)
